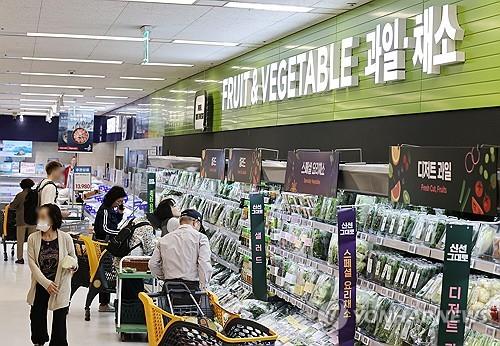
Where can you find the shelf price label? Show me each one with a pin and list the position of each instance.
(347, 275)
(455, 286)
(82, 178)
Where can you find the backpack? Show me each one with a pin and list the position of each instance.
(119, 245)
(42, 186)
(30, 207)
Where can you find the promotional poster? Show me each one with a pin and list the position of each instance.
(76, 131)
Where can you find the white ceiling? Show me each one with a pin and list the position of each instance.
(205, 20)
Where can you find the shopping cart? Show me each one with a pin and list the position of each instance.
(9, 234)
(102, 274)
(170, 329)
(81, 278)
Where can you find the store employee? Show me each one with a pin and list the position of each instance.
(184, 254)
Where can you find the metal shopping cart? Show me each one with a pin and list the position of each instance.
(199, 320)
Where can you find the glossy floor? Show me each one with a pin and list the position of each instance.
(14, 313)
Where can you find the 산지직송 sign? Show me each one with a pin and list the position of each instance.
(454, 178)
(313, 173)
(244, 166)
(213, 164)
(82, 178)
(455, 287)
(346, 222)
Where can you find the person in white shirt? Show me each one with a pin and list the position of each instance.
(47, 189)
(183, 255)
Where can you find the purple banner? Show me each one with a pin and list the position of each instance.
(346, 221)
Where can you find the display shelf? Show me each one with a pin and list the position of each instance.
(225, 263)
(245, 251)
(312, 262)
(224, 230)
(366, 340)
(293, 300)
(205, 195)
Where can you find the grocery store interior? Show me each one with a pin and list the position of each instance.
(250, 172)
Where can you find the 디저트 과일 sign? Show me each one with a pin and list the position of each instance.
(453, 178)
(313, 173)
(455, 287)
(330, 67)
(244, 166)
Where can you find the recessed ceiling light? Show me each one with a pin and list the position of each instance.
(55, 86)
(268, 7)
(87, 37)
(110, 97)
(182, 91)
(246, 68)
(170, 64)
(167, 99)
(37, 100)
(55, 95)
(208, 81)
(34, 108)
(100, 103)
(126, 113)
(207, 43)
(114, 62)
(61, 75)
(126, 89)
(34, 113)
(178, 2)
(142, 78)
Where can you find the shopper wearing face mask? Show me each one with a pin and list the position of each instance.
(110, 214)
(52, 262)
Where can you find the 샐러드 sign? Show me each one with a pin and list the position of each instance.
(244, 166)
(330, 67)
(213, 164)
(453, 178)
(313, 173)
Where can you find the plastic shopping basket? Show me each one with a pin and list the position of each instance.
(166, 329)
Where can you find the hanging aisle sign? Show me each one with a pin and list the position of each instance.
(314, 173)
(453, 178)
(347, 275)
(244, 166)
(259, 263)
(213, 164)
(76, 131)
(331, 67)
(82, 178)
(151, 192)
(455, 288)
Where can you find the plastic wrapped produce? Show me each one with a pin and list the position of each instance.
(320, 243)
(484, 242)
(323, 291)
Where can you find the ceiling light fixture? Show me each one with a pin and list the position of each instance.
(55, 95)
(268, 7)
(178, 2)
(126, 113)
(246, 68)
(100, 103)
(34, 113)
(142, 78)
(114, 62)
(37, 100)
(206, 43)
(55, 86)
(86, 37)
(34, 108)
(61, 75)
(110, 97)
(182, 91)
(167, 99)
(169, 64)
(125, 89)
(208, 81)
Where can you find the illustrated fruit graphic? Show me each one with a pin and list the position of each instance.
(481, 169)
(476, 208)
(486, 158)
(485, 174)
(406, 162)
(396, 192)
(391, 171)
(486, 204)
(395, 154)
(493, 181)
(478, 188)
(406, 197)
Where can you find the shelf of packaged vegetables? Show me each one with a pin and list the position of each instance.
(206, 195)
(234, 268)
(366, 340)
(396, 244)
(224, 230)
(419, 304)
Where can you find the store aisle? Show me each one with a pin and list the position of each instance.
(14, 313)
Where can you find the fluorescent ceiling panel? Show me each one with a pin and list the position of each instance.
(206, 43)
(93, 61)
(268, 7)
(85, 37)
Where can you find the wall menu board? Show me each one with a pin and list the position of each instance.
(244, 166)
(213, 164)
(312, 172)
(16, 149)
(454, 178)
(76, 131)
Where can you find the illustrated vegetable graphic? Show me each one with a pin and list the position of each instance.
(476, 207)
(395, 154)
(486, 203)
(396, 192)
(478, 188)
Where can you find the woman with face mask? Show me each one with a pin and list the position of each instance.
(52, 261)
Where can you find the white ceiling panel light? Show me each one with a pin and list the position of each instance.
(268, 7)
(34, 109)
(144, 78)
(125, 89)
(208, 81)
(175, 91)
(177, 2)
(33, 113)
(111, 97)
(167, 99)
(55, 86)
(92, 61)
(55, 95)
(37, 100)
(168, 64)
(206, 43)
(61, 75)
(85, 37)
(100, 103)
